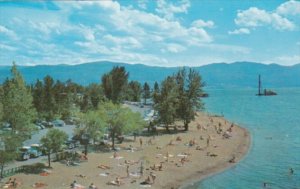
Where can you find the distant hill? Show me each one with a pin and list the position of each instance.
(239, 74)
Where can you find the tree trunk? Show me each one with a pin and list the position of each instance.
(49, 160)
(186, 126)
(167, 128)
(113, 140)
(2, 168)
(85, 149)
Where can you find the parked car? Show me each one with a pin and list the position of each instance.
(58, 123)
(70, 144)
(23, 153)
(36, 150)
(44, 124)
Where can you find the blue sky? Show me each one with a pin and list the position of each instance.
(159, 33)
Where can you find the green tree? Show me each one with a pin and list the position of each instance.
(37, 92)
(134, 91)
(167, 101)
(18, 112)
(114, 84)
(18, 108)
(91, 126)
(48, 98)
(156, 92)
(8, 150)
(120, 120)
(53, 141)
(95, 94)
(64, 99)
(189, 87)
(146, 92)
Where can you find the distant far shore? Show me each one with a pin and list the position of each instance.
(176, 160)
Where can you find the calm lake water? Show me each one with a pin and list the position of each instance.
(274, 124)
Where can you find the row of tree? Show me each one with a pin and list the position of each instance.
(179, 98)
(56, 99)
(98, 106)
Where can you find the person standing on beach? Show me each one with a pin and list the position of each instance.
(153, 176)
(127, 170)
(142, 169)
(141, 142)
(207, 141)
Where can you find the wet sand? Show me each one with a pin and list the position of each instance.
(200, 163)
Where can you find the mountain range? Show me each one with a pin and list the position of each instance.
(238, 74)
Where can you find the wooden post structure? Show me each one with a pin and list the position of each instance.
(259, 85)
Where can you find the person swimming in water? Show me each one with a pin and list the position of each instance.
(291, 171)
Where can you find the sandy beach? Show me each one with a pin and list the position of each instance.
(175, 160)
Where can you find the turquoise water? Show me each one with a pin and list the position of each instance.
(274, 124)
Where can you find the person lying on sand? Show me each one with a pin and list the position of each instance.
(171, 143)
(12, 183)
(117, 182)
(211, 154)
(147, 181)
(39, 185)
(104, 166)
(157, 167)
(232, 160)
(92, 186)
(226, 135)
(44, 173)
(178, 139)
(81, 176)
(131, 162)
(199, 148)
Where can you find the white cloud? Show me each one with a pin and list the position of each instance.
(8, 32)
(289, 8)
(254, 17)
(202, 24)
(7, 47)
(142, 4)
(168, 10)
(287, 60)
(239, 31)
(104, 30)
(174, 48)
(123, 42)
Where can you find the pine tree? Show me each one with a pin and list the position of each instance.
(18, 112)
(156, 92)
(189, 93)
(48, 98)
(114, 84)
(134, 91)
(18, 105)
(146, 92)
(37, 94)
(167, 102)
